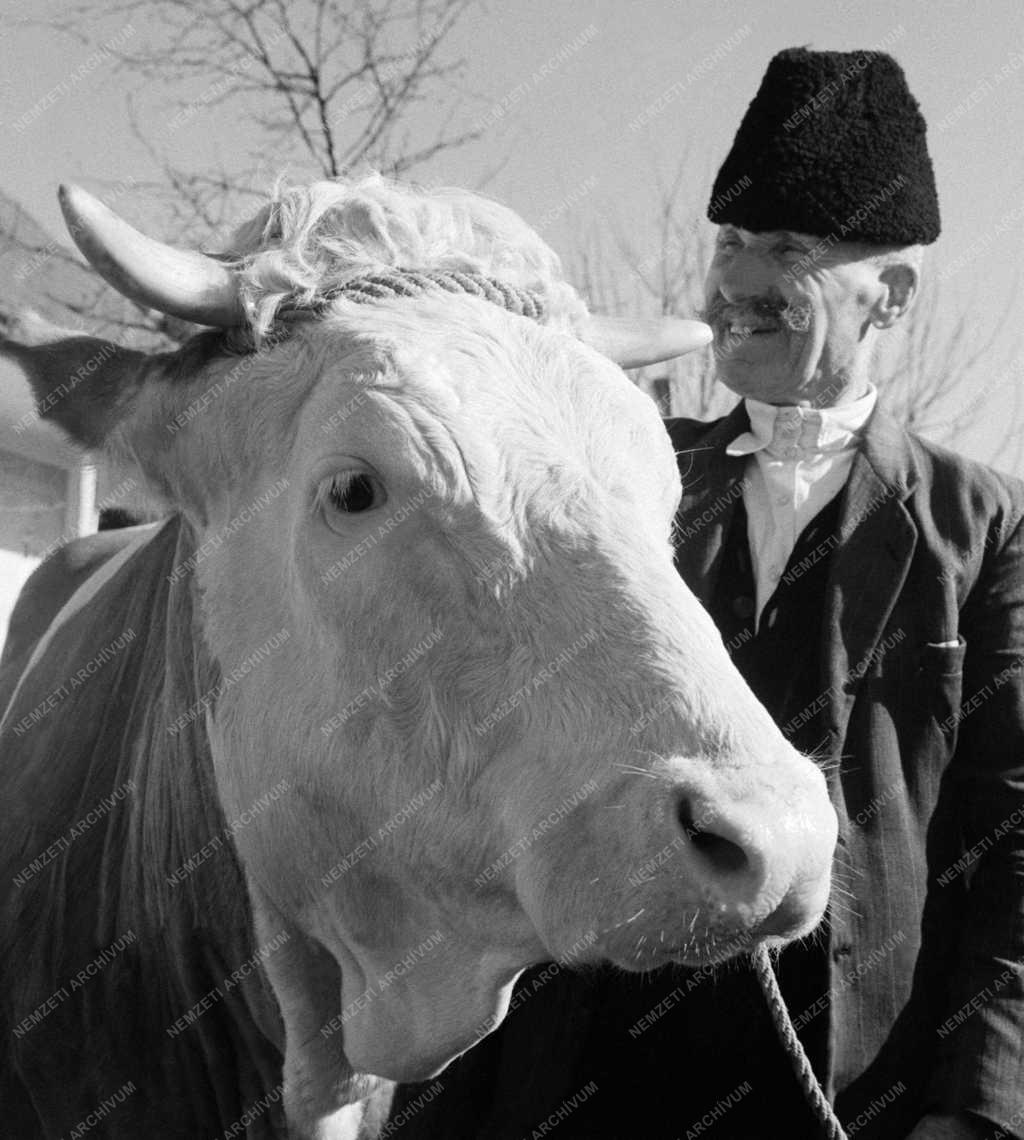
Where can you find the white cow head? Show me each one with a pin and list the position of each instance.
(434, 542)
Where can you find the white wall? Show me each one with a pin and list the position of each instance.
(41, 507)
(14, 570)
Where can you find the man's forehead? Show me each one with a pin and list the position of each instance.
(824, 249)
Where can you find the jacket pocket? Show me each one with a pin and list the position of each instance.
(940, 679)
(942, 659)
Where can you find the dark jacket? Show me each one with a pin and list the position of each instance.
(921, 661)
(927, 742)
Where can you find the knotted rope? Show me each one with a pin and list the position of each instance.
(831, 1127)
(412, 283)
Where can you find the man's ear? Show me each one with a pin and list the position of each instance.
(900, 281)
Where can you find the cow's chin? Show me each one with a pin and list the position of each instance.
(351, 1016)
(696, 953)
(691, 955)
(415, 1028)
(702, 945)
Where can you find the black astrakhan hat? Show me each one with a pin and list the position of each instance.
(833, 144)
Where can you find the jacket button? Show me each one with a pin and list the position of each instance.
(743, 607)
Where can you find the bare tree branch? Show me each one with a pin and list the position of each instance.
(319, 86)
(332, 84)
(927, 379)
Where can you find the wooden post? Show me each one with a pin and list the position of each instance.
(82, 514)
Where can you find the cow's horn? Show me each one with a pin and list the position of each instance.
(178, 282)
(633, 343)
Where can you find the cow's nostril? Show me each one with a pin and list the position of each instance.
(722, 853)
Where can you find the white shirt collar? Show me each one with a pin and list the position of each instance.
(780, 429)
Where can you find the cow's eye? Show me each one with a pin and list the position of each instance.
(352, 492)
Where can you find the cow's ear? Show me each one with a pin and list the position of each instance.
(115, 399)
(85, 385)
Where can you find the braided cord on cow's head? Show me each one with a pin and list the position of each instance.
(389, 283)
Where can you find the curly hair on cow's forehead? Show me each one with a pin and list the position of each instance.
(309, 241)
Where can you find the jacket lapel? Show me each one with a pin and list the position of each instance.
(877, 537)
(712, 484)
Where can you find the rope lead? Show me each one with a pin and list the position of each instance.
(831, 1127)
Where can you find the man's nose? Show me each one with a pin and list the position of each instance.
(747, 274)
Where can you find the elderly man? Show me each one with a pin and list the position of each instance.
(871, 589)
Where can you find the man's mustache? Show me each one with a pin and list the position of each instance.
(795, 315)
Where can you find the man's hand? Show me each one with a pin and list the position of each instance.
(963, 1126)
